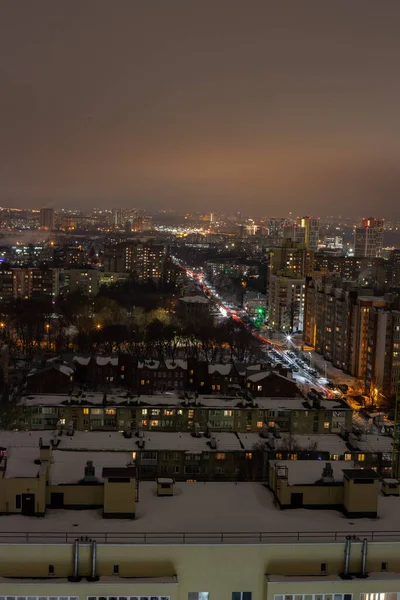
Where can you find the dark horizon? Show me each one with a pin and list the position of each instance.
(222, 106)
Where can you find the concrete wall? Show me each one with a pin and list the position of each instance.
(78, 495)
(119, 498)
(361, 498)
(217, 569)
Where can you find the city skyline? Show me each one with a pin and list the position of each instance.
(213, 107)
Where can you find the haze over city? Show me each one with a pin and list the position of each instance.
(214, 106)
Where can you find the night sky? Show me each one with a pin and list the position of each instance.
(245, 105)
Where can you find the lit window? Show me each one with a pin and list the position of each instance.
(347, 457)
(249, 455)
(111, 411)
(259, 388)
(85, 411)
(134, 455)
(154, 423)
(227, 413)
(220, 456)
(144, 411)
(142, 382)
(327, 425)
(144, 422)
(361, 457)
(259, 424)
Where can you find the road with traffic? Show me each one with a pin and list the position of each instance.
(300, 370)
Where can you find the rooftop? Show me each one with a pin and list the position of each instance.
(206, 513)
(172, 400)
(309, 472)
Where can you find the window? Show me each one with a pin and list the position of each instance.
(198, 596)
(111, 411)
(382, 596)
(326, 424)
(259, 388)
(85, 411)
(249, 455)
(324, 597)
(116, 569)
(18, 501)
(361, 458)
(51, 569)
(347, 457)
(220, 456)
(105, 598)
(227, 413)
(38, 597)
(241, 595)
(259, 424)
(144, 411)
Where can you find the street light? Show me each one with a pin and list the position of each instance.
(98, 326)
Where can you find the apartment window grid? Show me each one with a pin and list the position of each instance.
(128, 598)
(39, 597)
(321, 597)
(241, 595)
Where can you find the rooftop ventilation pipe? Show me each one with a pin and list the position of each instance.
(75, 576)
(347, 550)
(93, 576)
(364, 554)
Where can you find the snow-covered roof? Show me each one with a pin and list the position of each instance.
(230, 508)
(24, 439)
(173, 364)
(82, 360)
(69, 467)
(149, 364)
(308, 472)
(172, 400)
(20, 462)
(103, 361)
(375, 443)
(221, 369)
(258, 376)
(64, 369)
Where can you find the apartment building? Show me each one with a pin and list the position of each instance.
(368, 239)
(204, 541)
(113, 412)
(311, 226)
(286, 301)
(383, 353)
(337, 322)
(144, 259)
(293, 258)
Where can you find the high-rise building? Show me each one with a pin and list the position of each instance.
(285, 302)
(311, 225)
(47, 219)
(292, 258)
(295, 233)
(146, 260)
(275, 227)
(368, 239)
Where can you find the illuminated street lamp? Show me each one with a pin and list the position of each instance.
(98, 326)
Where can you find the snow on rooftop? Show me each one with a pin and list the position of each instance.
(258, 376)
(65, 369)
(173, 364)
(69, 467)
(375, 443)
(221, 369)
(29, 439)
(210, 508)
(308, 472)
(149, 364)
(82, 360)
(326, 442)
(20, 462)
(102, 361)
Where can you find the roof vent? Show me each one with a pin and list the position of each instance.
(90, 472)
